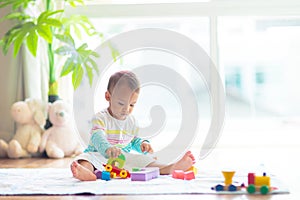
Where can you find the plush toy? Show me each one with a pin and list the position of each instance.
(60, 140)
(3, 144)
(30, 116)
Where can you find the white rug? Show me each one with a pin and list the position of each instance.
(57, 181)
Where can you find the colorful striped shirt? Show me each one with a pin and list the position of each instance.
(107, 132)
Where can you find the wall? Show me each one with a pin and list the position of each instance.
(8, 86)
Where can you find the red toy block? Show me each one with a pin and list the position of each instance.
(189, 175)
(178, 174)
(251, 178)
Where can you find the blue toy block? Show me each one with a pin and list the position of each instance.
(105, 175)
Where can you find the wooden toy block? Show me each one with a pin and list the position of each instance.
(144, 174)
(193, 169)
(105, 175)
(189, 175)
(228, 177)
(98, 173)
(178, 174)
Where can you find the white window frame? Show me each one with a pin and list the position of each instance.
(211, 9)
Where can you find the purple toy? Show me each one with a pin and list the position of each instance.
(145, 174)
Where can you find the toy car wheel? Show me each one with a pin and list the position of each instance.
(219, 188)
(232, 188)
(123, 173)
(264, 189)
(251, 189)
(108, 168)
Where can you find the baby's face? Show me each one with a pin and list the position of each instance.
(122, 101)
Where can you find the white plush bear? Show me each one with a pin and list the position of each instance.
(60, 140)
(3, 144)
(30, 116)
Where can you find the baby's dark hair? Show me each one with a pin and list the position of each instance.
(124, 77)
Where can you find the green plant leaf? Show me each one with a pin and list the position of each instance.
(18, 42)
(66, 38)
(77, 76)
(9, 38)
(16, 4)
(15, 15)
(89, 72)
(21, 35)
(82, 47)
(45, 32)
(68, 67)
(32, 42)
(65, 50)
(44, 16)
(52, 22)
(95, 54)
(79, 23)
(94, 65)
(77, 32)
(73, 2)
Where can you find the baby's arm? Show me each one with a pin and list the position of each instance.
(141, 146)
(146, 147)
(101, 144)
(99, 141)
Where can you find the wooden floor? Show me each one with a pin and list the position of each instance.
(62, 163)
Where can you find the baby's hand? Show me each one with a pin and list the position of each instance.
(113, 152)
(146, 147)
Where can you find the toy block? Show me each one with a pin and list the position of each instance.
(98, 173)
(178, 174)
(145, 174)
(118, 162)
(105, 175)
(113, 175)
(136, 169)
(251, 178)
(228, 177)
(189, 175)
(193, 169)
(262, 180)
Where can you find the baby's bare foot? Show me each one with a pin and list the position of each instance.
(185, 162)
(82, 173)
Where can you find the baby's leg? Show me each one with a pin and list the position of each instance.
(184, 164)
(83, 170)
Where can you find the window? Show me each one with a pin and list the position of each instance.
(261, 65)
(255, 46)
(196, 28)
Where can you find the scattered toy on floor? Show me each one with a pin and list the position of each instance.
(144, 174)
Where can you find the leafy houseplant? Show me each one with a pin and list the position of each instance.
(60, 33)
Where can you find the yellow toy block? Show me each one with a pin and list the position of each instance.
(262, 180)
(228, 177)
(193, 169)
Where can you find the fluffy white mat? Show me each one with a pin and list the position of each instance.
(33, 181)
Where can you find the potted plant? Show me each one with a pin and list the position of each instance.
(61, 34)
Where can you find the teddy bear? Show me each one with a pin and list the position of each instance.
(60, 140)
(3, 144)
(30, 116)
